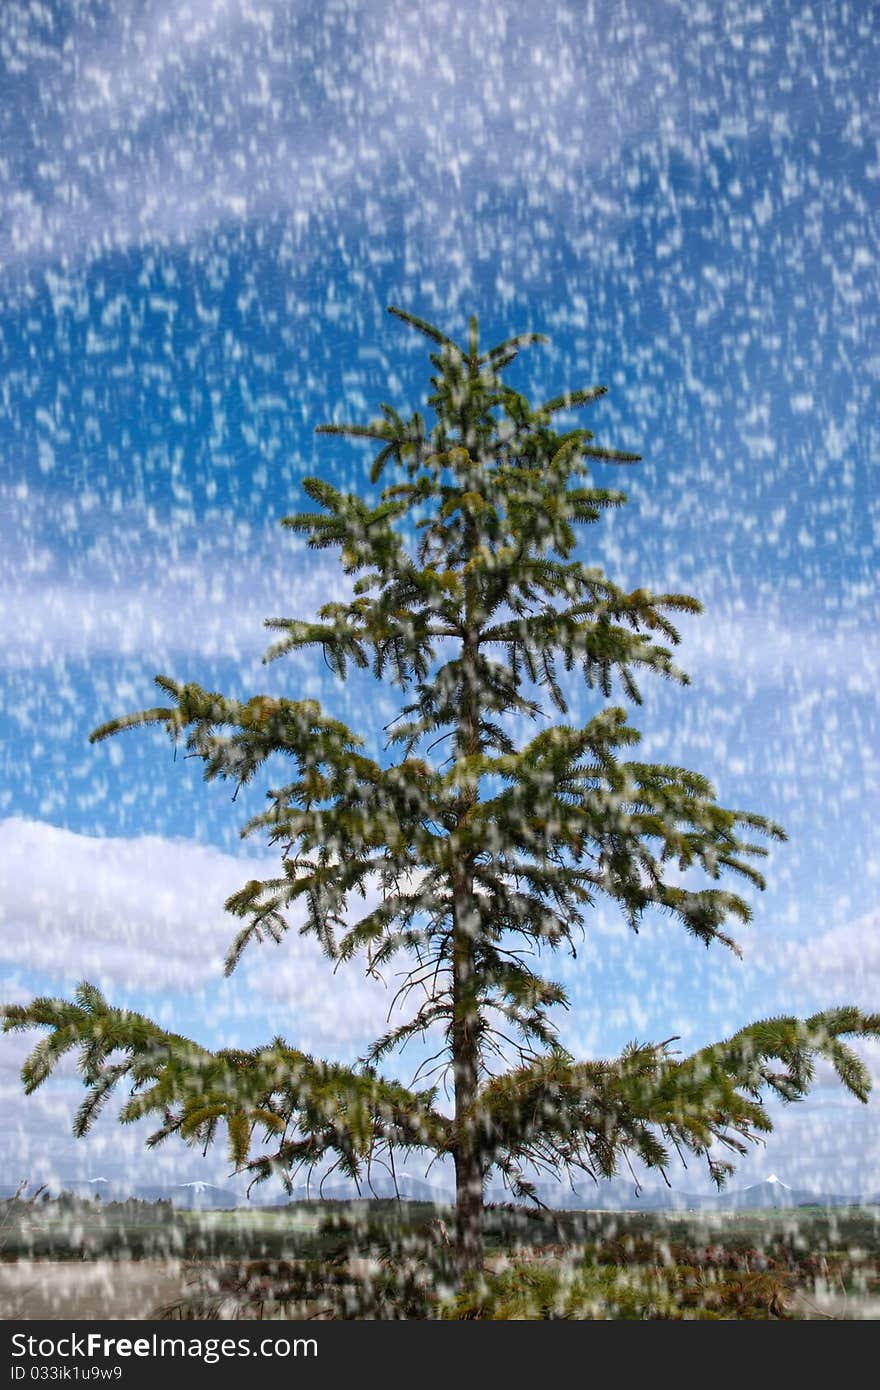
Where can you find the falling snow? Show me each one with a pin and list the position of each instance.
(204, 209)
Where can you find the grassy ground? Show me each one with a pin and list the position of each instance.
(75, 1259)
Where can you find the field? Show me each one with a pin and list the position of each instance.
(81, 1260)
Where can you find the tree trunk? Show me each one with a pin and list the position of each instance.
(465, 1001)
(466, 1064)
(469, 1216)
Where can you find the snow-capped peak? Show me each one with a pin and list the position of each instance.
(778, 1181)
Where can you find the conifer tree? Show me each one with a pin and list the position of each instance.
(484, 860)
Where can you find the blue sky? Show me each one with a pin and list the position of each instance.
(204, 210)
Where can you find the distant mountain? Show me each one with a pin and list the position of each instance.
(193, 1196)
(618, 1195)
(773, 1192)
(612, 1194)
(203, 1196)
(609, 1195)
(408, 1188)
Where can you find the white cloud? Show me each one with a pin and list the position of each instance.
(146, 912)
(844, 960)
(763, 648)
(145, 915)
(178, 117)
(48, 622)
(37, 1143)
(819, 1145)
(205, 599)
(143, 918)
